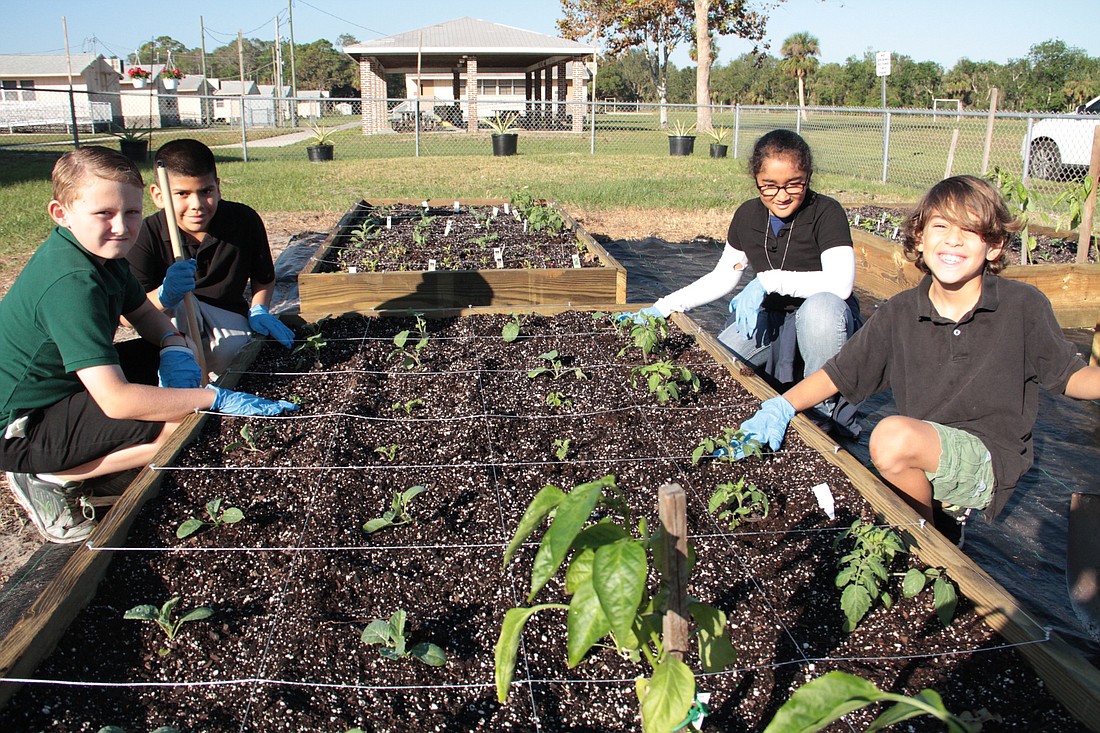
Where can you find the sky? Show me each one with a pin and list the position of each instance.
(926, 30)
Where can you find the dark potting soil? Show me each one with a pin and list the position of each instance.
(414, 238)
(887, 223)
(293, 585)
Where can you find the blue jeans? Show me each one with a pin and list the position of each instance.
(822, 324)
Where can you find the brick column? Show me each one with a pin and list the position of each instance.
(372, 95)
(528, 95)
(471, 94)
(563, 88)
(577, 108)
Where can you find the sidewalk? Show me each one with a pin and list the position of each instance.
(280, 141)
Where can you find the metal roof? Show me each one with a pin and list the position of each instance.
(445, 45)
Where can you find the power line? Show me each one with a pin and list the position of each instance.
(342, 20)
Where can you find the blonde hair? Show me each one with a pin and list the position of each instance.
(73, 169)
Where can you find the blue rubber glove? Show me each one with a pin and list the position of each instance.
(746, 307)
(178, 282)
(767, 426)
(260, 320)
(243, 403)
(639, 317)
(178, 368)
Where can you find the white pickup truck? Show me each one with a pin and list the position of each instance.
(1059, 145)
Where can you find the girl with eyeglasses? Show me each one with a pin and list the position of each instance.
(798, 309)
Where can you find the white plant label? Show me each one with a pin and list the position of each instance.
(524, 226)
(389, 222)
(576, 261)
(496, 210)
(353, 269)
(447, 229)
(457, 207)
(507, 208)
(431, 265)
(825, 499)
(498, 255)
(425, 204)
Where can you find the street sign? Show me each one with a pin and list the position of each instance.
(882, 63)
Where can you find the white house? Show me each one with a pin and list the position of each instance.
(34, 91)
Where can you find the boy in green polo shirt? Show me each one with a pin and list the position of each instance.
(66, 408)
(964, 352)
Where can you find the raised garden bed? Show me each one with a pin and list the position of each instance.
(396, 254)
(294, 584)
(883, 271)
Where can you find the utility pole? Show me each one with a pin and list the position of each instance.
(69, 67)
(277, 71)
(293, 70)
(203, 101)
(240, 63)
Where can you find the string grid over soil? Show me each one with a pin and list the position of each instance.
(294, 584)
(887, 223)
(402, 237)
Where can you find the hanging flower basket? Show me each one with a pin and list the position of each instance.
(139, 76)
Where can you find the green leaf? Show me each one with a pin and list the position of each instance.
(377, 632)
(586, 622)
(667, 697)
(598, 535)
(429, 654)
(232, 515)
(165, 729)
(945, 598)
(411, 493)
(510, 332)
(111, 729)
(822, 701)
(572, 513)
(855, 601)
(376, 524)
(912, 583)
(618, 575)
(189, 527)
(508, 644)
(144, 612)
(546, 501)
(715, 648)
(197, 615)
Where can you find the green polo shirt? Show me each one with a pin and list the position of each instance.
(60, 315)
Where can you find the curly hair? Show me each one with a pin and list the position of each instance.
(967, 202)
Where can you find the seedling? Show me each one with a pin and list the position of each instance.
(1015, 192)
(215, 517)
(558, 400)
(398, 513)
(607, 575)
(944, 595)
(410, 354)
(388, 452)
(422, 229)
(248, 439)
(734, 503)
(158, 729)
(648, 333)
(308, 352)
(163, 617)
(555, 368)
(561, 448)
(664, 379)
(864, 570)
(296, 399)
(390, 635)
(368, 230)
(511, 329)
(407, 406)
(719, 447)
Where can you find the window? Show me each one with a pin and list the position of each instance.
(486, 87)
(10, 93)
(28, 90)
(12, 89)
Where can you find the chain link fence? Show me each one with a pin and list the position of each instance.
(910, 148)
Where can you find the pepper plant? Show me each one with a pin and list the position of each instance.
(664, 379)
(410, 354)
(390, 636)
(511, 329)
(607, 569)
(398, 513)
(165, 617)
(554, 367)
(215, 517)
(248, 439)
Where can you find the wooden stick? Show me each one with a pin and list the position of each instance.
(1084, 231)
(189, 306)
(951, 153)
(672, 509)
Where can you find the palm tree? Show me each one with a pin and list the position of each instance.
(799, 52)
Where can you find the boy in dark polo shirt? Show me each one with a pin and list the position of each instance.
(67, 411)
(227, 247)
(964, 352)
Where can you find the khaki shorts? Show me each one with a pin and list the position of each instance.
(965, 475)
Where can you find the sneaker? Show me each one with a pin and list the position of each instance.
(59, 513)
(950, 520)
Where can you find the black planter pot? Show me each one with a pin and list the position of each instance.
(505, 144)
(319, 153)
(718, 150)
(681, 144)
(135, 150)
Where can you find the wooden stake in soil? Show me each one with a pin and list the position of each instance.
(951, 153)
(189, 306)
(672, 509)
(1084, 231)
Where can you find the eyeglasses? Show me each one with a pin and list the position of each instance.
(770, 189)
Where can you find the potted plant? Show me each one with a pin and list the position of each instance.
(718, 141)
(504, 140)
(170, 76)
(139, 76)
(680, 141)
(321, 146)
(133, 142)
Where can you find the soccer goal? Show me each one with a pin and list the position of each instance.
(938, 104)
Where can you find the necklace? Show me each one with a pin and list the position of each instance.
(785, 248)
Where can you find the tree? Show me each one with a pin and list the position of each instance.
(158, 50)
(346, 39)
(799, 61)
(321, 66)
(722, 17)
